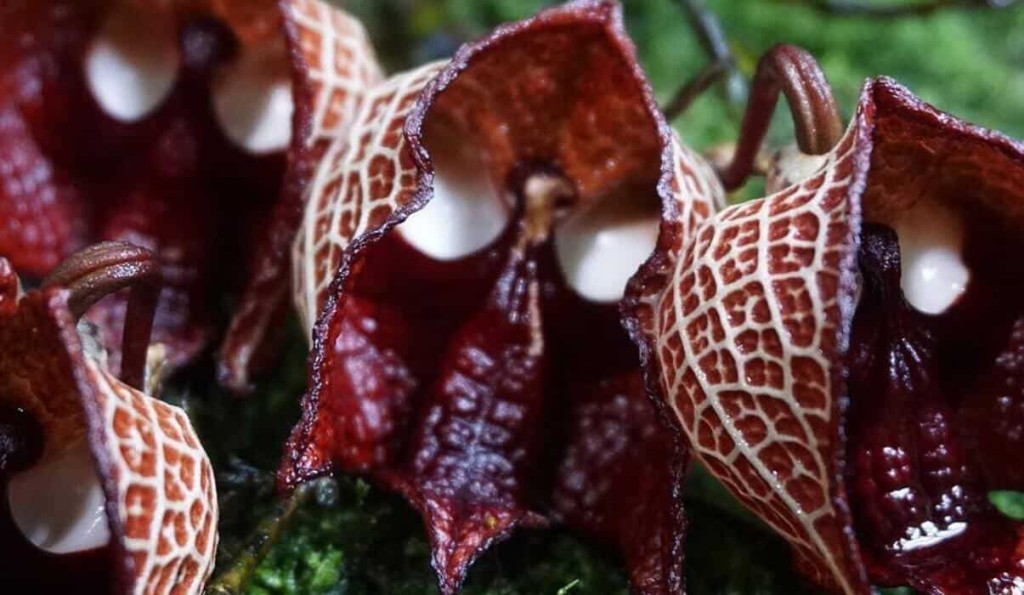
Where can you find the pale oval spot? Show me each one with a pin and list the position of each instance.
(58, 505)
(934, 274)
(790, 166)
(600, 248)
(252, 99)
(467, 212)
(132, 64)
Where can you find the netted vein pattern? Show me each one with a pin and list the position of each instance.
(339, 65)
(366, 174)
(165, 488)
(746, 338)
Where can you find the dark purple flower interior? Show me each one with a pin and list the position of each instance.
(935, 407)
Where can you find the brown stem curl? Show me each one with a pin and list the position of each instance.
(103, 269)
(794, 72)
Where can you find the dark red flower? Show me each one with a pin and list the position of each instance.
(845, 353)
(333, 66)
(464, 248)
(104, 488)
(162, 123)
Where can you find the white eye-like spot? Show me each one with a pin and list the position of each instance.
(467, 212)
(934, 274)
(252, 98)
(600, 248)
(132, 65)
(58, 505)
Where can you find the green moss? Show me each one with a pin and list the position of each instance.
(1011, 504)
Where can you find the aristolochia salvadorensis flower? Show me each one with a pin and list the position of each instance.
(464, 249)
(845, 353)
(169, 124)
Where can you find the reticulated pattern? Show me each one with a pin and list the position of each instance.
(747, 337)
(366, 174)
(332, 66)
(167, 501)
(156, 478)
(338, 66)
(695, 187)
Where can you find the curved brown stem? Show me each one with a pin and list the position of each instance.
(105, 268)
(795, 73)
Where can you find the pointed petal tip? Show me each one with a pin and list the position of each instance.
(457, 544)
(460, 531)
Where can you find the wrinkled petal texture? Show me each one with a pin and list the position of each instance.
(166, 497)
(72, 174)
(157, 480)
(400, 381)
(749, 331)
(744, 341)
(334, 68)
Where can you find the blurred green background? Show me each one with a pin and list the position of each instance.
(350, 539)
(968, 62)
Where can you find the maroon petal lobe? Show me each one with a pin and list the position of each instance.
(90, 153)
(919, 503)
(846, 406)
(620, 479)
(446, 375)
(478, 433)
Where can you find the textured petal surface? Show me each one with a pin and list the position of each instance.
(408, 386)
(744, 343)
(366, 174)
(334, 67)
(747, 330)
(157, 480)
(166, 497)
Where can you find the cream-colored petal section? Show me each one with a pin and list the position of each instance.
(164, 486)
(252, 99)
(934, 274)
(132, 65)
(334, 62)
(58, 504)
(746, 335)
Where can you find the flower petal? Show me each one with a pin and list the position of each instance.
(156, 479)
(333, 69)
(561, 91)
(747, 331)
(743, 340)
